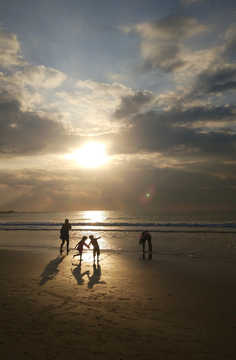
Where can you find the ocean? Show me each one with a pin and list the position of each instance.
(201, 234)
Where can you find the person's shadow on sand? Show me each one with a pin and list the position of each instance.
(95, 278)
(51, 270)
(77, 274)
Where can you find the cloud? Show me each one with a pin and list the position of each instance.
(133, 103)
(190, 2)
(229, 50)
(91, 106)
(168, 134)
(176, 139)
(204, 73)
(231, 32)
(83, 190)
(162, 41)
(9, 50)
(204, 184)
(217, 78)
(28, 133)
(167, 57)
(170, 28)
(37, 76)
(114, 89)
(220, 73)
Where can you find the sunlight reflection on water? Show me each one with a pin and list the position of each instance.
(94, 216)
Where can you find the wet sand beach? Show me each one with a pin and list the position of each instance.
(167, 307)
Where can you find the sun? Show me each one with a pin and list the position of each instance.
(91, 155)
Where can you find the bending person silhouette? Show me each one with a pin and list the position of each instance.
(146, 236)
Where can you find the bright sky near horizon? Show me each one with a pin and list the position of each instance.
(127, 104)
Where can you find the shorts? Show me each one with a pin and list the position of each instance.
(96, 250)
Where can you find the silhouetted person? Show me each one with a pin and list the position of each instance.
(96, 249)
(146, 236)
(65, 235)
(80, 247)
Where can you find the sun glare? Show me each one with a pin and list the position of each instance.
(95, 216)
(91, 155)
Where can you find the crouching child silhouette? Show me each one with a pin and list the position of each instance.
(80, 247)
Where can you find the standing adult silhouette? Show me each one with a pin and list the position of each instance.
(65, 235)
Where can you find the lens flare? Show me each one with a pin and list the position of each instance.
(147, 194)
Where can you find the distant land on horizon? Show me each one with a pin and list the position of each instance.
(7, 212)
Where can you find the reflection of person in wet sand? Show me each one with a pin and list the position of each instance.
(77, 274)
(95, 278)
(51, 270)
(149, 256)
(80, 247)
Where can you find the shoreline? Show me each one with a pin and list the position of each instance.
(167, 307)
(88, 253)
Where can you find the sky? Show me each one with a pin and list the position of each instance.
(122, 105)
